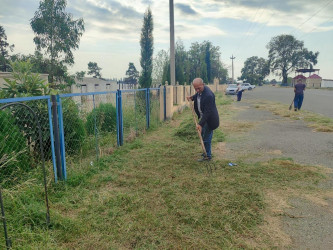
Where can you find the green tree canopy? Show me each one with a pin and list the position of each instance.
(286, 54)
(132, 74)
(147, 50)
(4, 46)
(94, 70)
(159, 63)
(255, 70)
(57, 33)
(202, 60)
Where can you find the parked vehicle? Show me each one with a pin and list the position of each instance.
(231, 89)
(247, 86)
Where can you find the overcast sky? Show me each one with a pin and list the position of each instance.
(239, 27)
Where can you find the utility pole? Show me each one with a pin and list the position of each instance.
(172, 45)
(232, 67)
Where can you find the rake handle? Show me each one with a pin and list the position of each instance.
(199, 134)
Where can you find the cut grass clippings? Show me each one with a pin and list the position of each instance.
(318, 122)
(152, 193)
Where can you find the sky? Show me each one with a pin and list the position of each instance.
(241, 28)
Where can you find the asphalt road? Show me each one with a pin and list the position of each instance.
(307, 222)
(316, 100)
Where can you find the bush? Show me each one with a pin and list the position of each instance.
(14, 152)
(74, 130)
(106, 119)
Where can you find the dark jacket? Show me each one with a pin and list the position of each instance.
(208, 108)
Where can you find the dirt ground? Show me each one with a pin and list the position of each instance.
(306, 222)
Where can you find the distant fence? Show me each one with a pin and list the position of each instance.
(85, 125)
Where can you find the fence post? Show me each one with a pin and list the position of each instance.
(49, 108)
(147, 108)
(95, 128)
(56, 136)
(62, 138)
(164, 102)
(120, 128)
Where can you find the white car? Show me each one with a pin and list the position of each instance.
(247, 86)
(231, 89)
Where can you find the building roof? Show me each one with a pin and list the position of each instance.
(299, 77)
(306, 70)
(314, 76)
(93, 80)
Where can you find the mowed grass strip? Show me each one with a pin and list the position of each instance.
(152, 193)
(318, 122)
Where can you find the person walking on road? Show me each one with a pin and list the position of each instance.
(205, 108)
(299, 94)
(239, 92)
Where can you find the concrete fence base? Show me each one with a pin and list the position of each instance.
(173, 98)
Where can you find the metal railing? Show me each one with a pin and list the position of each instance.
(83, 125)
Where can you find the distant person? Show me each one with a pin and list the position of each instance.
(239, 92)
(299, 94)
(205, 108)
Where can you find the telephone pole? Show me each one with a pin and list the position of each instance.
(232, 67)
(172, 45)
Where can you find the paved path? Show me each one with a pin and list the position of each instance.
(316, 100)
(309, 224)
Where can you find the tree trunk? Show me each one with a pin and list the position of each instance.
(284, 77)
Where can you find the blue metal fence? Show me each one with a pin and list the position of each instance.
(92, 124)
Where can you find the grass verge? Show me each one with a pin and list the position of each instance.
(318, 122)
(151, 193)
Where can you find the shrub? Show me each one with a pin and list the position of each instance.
(106, 119)
(14, 152)
(74, 130)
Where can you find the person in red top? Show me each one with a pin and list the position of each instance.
(299, 94)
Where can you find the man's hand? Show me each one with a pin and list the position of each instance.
(189, 98)
(199, 128)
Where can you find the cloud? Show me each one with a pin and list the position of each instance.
(108, 19)
(186, 9)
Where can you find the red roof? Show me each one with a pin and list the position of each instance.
(314, 76)
(299, 77)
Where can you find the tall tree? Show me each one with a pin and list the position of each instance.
(208, 61)
(286, 54)
(80, 75)
(94, 70)
(202, 60)
(180, 61)
(57, 33)
(132, 74)
(255, 70)
(159, 62)
(4, 46)
(147, 49)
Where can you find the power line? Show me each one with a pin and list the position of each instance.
(251, 26)
(316, 13)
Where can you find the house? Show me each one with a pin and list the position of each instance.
(313, 81)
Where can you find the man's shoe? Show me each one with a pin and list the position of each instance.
(204, 159)
(295, 109)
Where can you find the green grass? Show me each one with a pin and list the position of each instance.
(151, 193)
